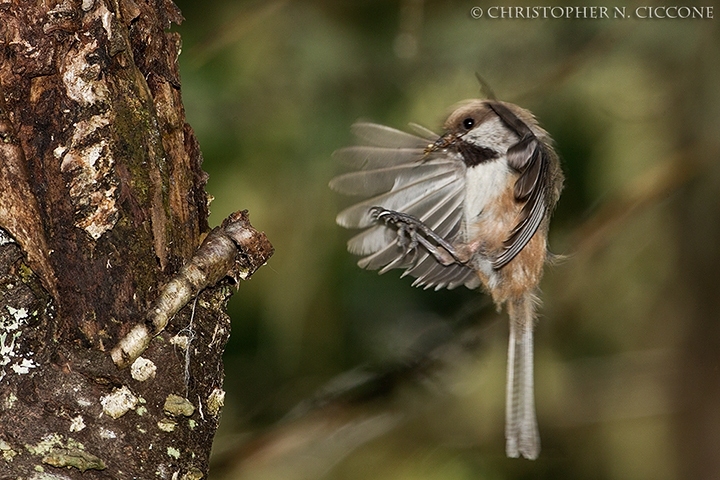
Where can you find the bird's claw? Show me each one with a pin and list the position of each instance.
(406, 232)
(412, 233)
(407, 238)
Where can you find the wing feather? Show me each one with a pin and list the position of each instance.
(367, 157)
(425, 133)
(388, 179)
(382, 136)
(358, 215)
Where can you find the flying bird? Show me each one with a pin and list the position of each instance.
(470, 207)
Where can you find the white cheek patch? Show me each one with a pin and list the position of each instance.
(492, 133)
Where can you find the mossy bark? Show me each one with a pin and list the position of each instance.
(102, 199)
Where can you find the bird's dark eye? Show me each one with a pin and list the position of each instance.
(468, 123)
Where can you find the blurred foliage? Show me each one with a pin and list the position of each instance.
(627, 354)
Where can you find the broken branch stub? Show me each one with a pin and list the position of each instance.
(234, 249)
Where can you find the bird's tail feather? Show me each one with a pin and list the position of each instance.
(521, 430)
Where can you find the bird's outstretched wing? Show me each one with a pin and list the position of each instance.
(390, 169)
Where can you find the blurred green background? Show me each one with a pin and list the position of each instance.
(628, 344)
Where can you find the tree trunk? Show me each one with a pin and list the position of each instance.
(102, 200)
(697, 386)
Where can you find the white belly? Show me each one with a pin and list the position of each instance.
(483, 184)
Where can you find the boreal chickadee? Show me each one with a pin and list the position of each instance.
(472, 208)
